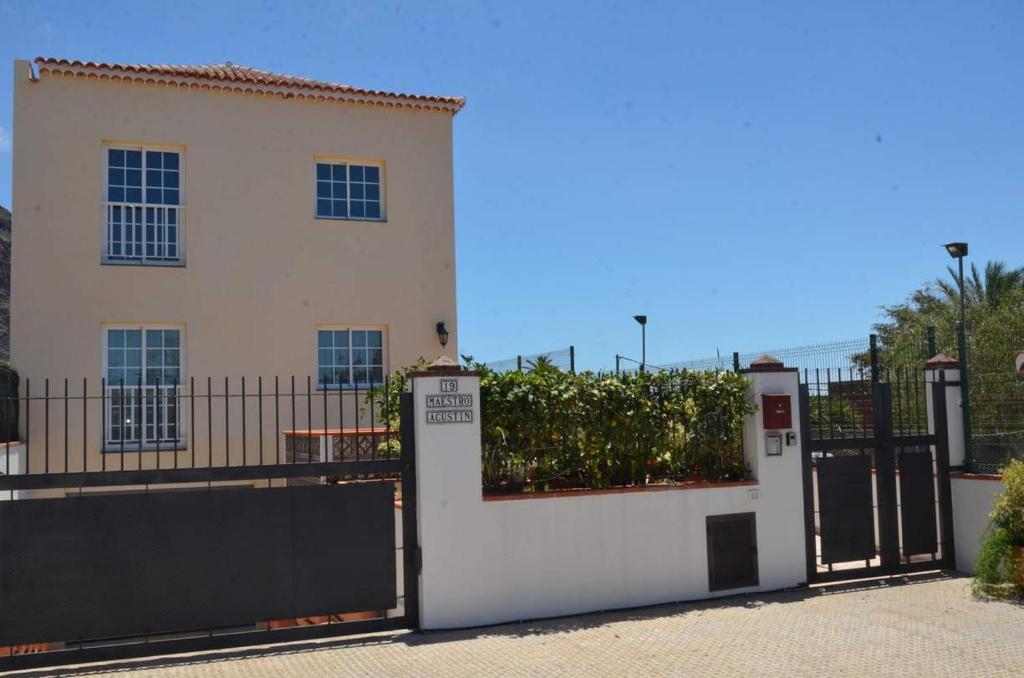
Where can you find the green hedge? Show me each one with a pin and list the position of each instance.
(549, 429)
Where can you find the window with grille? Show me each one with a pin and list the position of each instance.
(143, 379)
(143, 206)
(349, 191)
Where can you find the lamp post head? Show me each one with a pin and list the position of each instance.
(642, 319)
(956, 250)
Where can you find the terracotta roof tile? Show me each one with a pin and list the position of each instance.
(231, 74)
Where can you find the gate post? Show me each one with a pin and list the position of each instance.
(944, 369)
(772, 450)
(446, 421)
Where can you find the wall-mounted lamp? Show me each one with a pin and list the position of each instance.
(442, 333)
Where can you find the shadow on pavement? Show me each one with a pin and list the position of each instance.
(555, 625)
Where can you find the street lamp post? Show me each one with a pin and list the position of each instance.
(642, 319)
(958, 250)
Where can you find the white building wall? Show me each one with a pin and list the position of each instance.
(495, 561)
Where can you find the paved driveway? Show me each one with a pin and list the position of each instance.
(904, 627)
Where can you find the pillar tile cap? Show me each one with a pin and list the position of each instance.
(941, 361)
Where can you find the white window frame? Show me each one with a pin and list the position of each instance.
(348, 188)
(121, 260)
(350, 328)
(110, 391)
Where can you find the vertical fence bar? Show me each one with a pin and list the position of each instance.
(177, 419)
(572, 359)
(735, 361)
(156, 420)
(192, 416)
(328, 453)
(259, 401)
(209, 422)
(28, 424)
(65, 425)
(46, 424)
(227, 424)
(103, 423)
(85, 424)
(277, 422)
(309, 419)
(245, 452)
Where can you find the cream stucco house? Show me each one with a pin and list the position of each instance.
(193, 222)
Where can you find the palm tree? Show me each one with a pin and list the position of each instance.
(988, 290)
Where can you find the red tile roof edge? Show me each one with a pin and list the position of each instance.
(234, 75)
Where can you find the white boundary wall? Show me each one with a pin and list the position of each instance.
(487, 562)
(972, 502)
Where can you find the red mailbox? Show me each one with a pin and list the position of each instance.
(777, 411)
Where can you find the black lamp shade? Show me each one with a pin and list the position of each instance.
(442, 334)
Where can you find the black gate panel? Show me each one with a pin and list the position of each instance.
(846, 515)
(132, 564)
(917, 503)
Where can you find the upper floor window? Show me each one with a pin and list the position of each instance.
(143, 206)
(348, 191)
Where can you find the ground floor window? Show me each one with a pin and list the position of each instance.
(350, 357)
(143, 372)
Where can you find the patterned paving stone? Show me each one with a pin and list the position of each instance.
(903, 627)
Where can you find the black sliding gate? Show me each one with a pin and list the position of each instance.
(174, 552)
(876, 475)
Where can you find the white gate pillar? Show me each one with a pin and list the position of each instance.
(446, 406)
(943, 368)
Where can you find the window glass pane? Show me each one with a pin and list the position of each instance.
(340, 190)
(373, 210)
(359, 338)
(324, 357)
(323, 189)
(358, 209)
(323, 208)
(132, 376)
(356, 191)
(115, 177)
(154, 178)
(115, 157)
(323, 338)
(323, 171)
(341, 338)
(372, 192)
(115, 358)
(171, 197)
(374, 338)
(325, 375)
(377, 375)
(360, 375)
(153, 196)
(372, 174)
(133, 195)
(376, 356)
(171, 179)
(172, 338)
(172, 376)
(338, 172)
(154, 339)
(355, 173)
(359, 356)
(154, 376)
(154, 357)
(115, 194)
(115, 376)
(133, 338)
(154, 159)
(133, 357)
(133, 159)
(172, 357)
(133, 177)
(340, 209)
(115, 338)
(170, 161)
(341, 356)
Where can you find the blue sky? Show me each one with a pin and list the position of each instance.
(749, 175)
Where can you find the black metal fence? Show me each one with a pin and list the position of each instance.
(563, 358)
(90, 433)
(9, 406)
(997, 420)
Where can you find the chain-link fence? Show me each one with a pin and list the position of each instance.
(997, 420)
(563, 358)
